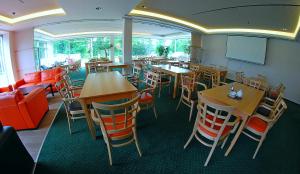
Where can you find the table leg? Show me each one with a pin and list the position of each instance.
(51, 89)
(86, 69)
(88, 119)
(237, 134)
(175, 86)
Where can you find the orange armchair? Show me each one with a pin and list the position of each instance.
(23, 112)
(6, 89)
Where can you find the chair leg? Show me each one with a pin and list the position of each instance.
(211, 152)
(224, 142)
(69, 124)
(258, 146)
(154, 110)
(191, 110)
(189, 140)
(109, 153)
(178, 104)
(136, 142)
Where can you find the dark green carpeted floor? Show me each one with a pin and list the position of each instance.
(162, 142)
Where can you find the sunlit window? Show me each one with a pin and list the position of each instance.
(4, 79)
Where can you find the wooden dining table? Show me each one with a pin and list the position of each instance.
(244, 107)
(110, 65)
(173, 71)
(103, 87)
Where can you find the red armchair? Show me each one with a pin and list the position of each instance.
(47, 76)
(23, 112)
(6, 89)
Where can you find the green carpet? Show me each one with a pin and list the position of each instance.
(162, 142)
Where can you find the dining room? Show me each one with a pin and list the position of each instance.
(150, 87)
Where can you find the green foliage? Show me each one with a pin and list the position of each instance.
(163, 51)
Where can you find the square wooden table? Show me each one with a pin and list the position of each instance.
(244, 107)
(173, 71)
(102, 87)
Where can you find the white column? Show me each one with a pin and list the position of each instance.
(127, 40)
(112, 49)
(196, 44)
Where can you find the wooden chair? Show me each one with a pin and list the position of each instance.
(72, 105)
(147, 96)
(239, 77)
(254, 83)
(163, 80)
(188, 93)
(214, 123)
(135, 77)
(259, 125)
(92, 67)
(118, 124)
(78, 83)
(102, 68)
(215, 79)
(275, 92)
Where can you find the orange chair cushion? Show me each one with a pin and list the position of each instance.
(119, 118)
(201, 128)
(145, 98)
(6, 89)
(34, 77)
(257, 124)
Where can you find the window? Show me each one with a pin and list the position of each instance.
(40, 53)
(4, 77)
(145, 46)
(118, 48)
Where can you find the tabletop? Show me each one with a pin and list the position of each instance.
(105, 83)
(246, 106)
(173, 69)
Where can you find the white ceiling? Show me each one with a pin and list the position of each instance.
(262, 14)
(81, 15)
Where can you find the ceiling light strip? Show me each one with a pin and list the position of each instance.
(84, 33)
(288, 35)
(32, 16)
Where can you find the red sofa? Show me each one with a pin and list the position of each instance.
(23, 112)
(6, 89)
(47, 76)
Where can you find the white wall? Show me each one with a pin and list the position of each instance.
(282, 62)
(24, 52)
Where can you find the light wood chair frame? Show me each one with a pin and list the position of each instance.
(151, 82)
(160, 82)
(188, 85)
(67, 96)
(254, 83)
(271, 120)
(203, 111)
(131, 109)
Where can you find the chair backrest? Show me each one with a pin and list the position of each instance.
(92, 66)
(239, 77)
(212, 117)
(254, 83)
(188, 80)
(102, 68)
(136, 71)
(151, 79)
(215, 78)
(278, 111)
(117, 121)
(64, 93)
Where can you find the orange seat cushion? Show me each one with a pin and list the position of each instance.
(119, 118)
(145, 98)
(257, 124)
(27, 85)
(201, 128)
(48, 75)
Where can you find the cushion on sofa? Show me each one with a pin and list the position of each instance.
(47, 75)
(34, 77)
(27, 85)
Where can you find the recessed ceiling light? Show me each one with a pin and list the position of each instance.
(284, 29)
(99, 8)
